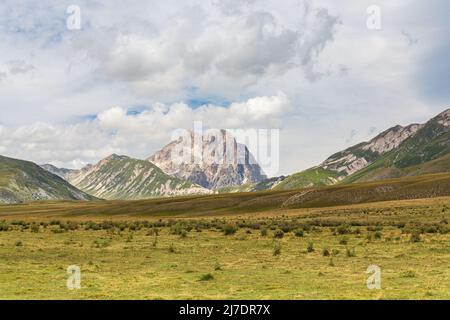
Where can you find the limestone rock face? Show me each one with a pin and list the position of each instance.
(214, 160)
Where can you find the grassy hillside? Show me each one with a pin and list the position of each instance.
(22, 181)
(316, 177)
(437, 185)
(121, 177)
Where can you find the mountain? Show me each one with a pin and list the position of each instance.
(23, 181)
(121, 177)
(61, 172)
(399, 151)
(427, 151)
(221, 162)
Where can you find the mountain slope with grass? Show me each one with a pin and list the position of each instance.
(122, 177)
(23, 181)
(399, 151)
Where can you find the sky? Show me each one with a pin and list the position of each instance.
(321, 72)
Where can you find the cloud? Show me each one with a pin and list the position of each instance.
(173, 63)
(206, 50)
(137, 134)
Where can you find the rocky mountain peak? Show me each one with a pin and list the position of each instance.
(391, 138)
(443, 118)
(212, 160)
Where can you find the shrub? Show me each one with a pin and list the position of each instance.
(299, 233)
(331, 263)
(343, 240)
(183, 234)
(229, 230)
(4, 226)
(325, 252)
(343, 229)
(207, 277)
(278, 234)
(415, 237)
(171, 248)
(350, 253)
(18, 243)
(310, 247)
(378, 235)
(264, 232)
(35, 228)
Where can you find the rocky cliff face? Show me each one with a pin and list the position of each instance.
(213, 160)
(358, 157)
(121, 177)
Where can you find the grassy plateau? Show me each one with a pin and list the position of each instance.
(297, 244)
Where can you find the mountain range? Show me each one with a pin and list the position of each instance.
(400, 151)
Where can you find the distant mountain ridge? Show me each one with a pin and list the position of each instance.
(24, 181)
(122, 177)
(393, 153)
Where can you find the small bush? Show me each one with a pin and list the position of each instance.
(4, 226)
(264, 232)
(343, 229)
(415, 237)
(378, 235)
(326, 252)
(229, 230)
(343, 240)
(207, 277)
(350, 253)
(310, 247)
(278, 234)
(35, 228)
(18, 243)
(299, 233)
(171, 248)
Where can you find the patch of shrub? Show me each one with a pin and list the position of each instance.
(343, 229)
(326, 252)
(299, 233)
(4, 226)
(229, 230)
(343, 240)
(350, 253)
(207, 277)
(35, 228)
(264, 232)
(415, 237)
(310, 247)
(278, 234)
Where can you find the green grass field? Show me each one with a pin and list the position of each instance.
(257, 255)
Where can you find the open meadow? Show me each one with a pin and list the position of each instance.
(304, 253)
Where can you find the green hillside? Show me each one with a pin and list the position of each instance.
(316, 177)
(121, 177)
(23, 181)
